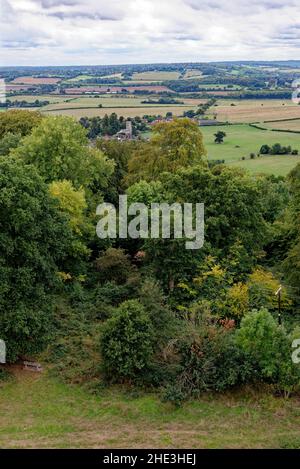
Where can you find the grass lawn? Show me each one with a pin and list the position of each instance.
(241, 140)
(37, 411)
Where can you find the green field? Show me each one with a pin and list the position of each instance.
(156, 76)
(80, 78)
(113, 75)
(43, 97)
(125, 111)
(277, 165)
(108, 101)
(219, 86)
(37, 411)
(241, 140)
(117, 101)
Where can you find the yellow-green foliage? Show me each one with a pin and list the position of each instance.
(174, 145)
(59, 149)
(71, 201)
(214, 286)
(262, 288)
(214, 274)
(237, 300)
(17, 121)
(181, 143)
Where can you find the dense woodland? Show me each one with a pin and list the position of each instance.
(146, 313)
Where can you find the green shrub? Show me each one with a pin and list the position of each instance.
(270, 348)
(127, 342)
(261, 336)
(114, 266)
(174, 394)
(211, 361)
(4, 375)
(163, 320)
(99, 302)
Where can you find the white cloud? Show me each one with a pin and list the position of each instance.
(43, 32)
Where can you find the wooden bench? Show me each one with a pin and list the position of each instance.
(32, 366)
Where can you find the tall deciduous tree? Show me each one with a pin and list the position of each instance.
(220, 136)
(33, 241)
(292, 262)
(58, 147)
(176, 144)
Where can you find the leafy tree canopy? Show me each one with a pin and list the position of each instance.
(17, 121)
(176, 144)
(33, 240)
(58, 147)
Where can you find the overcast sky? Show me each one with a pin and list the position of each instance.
(83, 32)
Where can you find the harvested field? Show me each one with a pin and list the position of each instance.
(255, 110)
(293, 125)
(19, 87)
(36, 80)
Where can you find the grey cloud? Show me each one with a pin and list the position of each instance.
(7, 11)
(81, 14)
(55, 3)
(198, 5)
(19, 44)
(188, 37)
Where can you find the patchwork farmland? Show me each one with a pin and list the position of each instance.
(176, 92)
